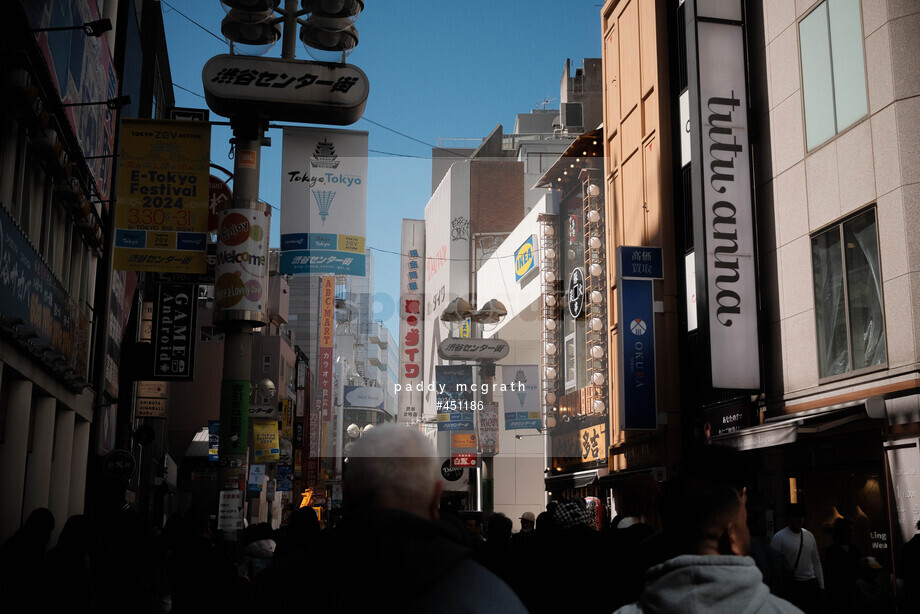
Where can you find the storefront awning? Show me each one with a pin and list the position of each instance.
(786, 429)
(579, 479)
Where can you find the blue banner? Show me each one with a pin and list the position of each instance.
(638, 402)
(454, 400)
(306, 262)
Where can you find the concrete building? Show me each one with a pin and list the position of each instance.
(778, 185)
(479, 207)
(62, 311)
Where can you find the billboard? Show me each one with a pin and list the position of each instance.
(161, 219)
(323, 201)
(241, 276)
(83, 72)
(447, 263)
(411, 321)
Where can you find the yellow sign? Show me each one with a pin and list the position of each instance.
(265, 441)
(462, 440)
(593, 443)
(523, 259)
(161, 217)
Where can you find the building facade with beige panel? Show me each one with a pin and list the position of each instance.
(771, 150)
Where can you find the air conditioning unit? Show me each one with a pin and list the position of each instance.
(572, 117)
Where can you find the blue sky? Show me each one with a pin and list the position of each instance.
(436, 69)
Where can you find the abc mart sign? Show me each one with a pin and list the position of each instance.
(285, 90)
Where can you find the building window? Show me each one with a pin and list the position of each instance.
(833, 69)
(266, 363)
(848, 297)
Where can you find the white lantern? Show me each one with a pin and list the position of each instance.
(598, 379)
(597, 297)
(593, 216)
(593, 190)
(597, 324)
(551, 349)
(595, 270)
(549, 324)
(548, 231)
(597, 351)
(352, 430)
(550, 277)
(550, 373)
(550, 300)
(550, 398)
(594, 242)
(550, 253)
(599, 406)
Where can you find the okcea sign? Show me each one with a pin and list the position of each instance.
(637, 268)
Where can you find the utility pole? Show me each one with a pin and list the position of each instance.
(255, 26)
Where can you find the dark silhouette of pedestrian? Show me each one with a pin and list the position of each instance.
(841, 567)
(299, 535)
(910, 572)
(67, 569)
(201, 577)
(23, 554)
(391, 528)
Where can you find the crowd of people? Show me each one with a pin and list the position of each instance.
(683, 548)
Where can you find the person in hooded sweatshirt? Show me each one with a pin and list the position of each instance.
(705, 521)
(390, 541)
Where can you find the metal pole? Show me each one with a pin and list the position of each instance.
(289, 29)
(237, 367)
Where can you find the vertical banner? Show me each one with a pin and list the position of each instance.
(411, 297)
(904, 471)
(521, 397)
(175, 332)
(161, 219)
(324, 201)
(326, 340)
(241, 277)
(488, 429)
(213, 439)
(723, 180)
(637, 268)
(454, 400)
(234, 416)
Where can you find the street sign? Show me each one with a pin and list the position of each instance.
(285, 90)
(451, 473)
(576, 293)
(453, 348)
(464, 459)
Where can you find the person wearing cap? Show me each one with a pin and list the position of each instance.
(528, 521)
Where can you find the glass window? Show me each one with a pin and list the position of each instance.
(848, 297)
(833, 69)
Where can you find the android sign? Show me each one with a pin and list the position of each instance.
(242, 262)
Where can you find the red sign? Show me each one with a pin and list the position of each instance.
(464, 459)
(326, 339)
(218, 194)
